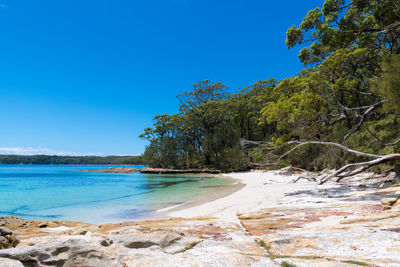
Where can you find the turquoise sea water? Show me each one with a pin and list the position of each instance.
(60, 192)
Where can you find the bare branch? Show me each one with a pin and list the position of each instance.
(310, 176)
(382, 31)
(345, 171)
(380, 141)
(300, 144)
(364, 107)
(248, 143)
(362, 117)
(362, 166)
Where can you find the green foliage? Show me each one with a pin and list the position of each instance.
(366, 24)
(388, 86)
(359, 263)
(287, 264)
(353, 48)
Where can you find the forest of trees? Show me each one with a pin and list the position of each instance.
(86, 160)
(348, 94)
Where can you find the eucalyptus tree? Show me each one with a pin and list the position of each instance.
(352, 49)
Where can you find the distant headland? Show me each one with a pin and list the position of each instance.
(70, 160)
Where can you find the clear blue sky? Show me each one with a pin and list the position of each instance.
(85, 76)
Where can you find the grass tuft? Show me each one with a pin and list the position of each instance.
(190, 246)
(360, 263)
(287, 264)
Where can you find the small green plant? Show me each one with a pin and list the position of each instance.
(360, 263)
(189, 246)
(287, 264)
(267, 248)
(262, 243)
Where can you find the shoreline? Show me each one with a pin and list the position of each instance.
(252, 196)
(212, 196)
(271, 189)
(149, 170)
(268, 220)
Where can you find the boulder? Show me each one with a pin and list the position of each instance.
(387, 203)
(7, 239)
(5, 231)
(396, 206)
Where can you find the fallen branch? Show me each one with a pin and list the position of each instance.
(362, 166)
(359, 153)
(345, 171)
(300, 144)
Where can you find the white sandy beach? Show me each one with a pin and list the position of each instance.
(262, 189)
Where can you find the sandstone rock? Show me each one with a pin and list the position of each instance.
(5, 231)
(7, 239)
(69, 252)
(79, 232)
(43, 225)
(396, 206)
(11, 221)
(143, 240)
(388, 201)
(10, 263)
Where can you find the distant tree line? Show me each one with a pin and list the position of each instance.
(347, 93)
(85, 160)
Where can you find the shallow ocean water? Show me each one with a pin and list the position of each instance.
(60, 192)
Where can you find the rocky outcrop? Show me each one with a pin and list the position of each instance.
(7, 239)
(396, 205)
(388, 203)
(113, 170)
(187, 242)
(348, 230)
(62, 252)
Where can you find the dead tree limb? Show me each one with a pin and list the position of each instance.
(362, 116)
(345, 171)
(380, 141)
(300, 144)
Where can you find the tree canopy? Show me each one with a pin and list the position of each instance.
(348, 93)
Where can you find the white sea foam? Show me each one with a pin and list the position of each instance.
(170, 207)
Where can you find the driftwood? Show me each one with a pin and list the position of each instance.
(345, 171)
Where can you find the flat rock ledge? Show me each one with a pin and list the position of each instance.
(173, 242)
